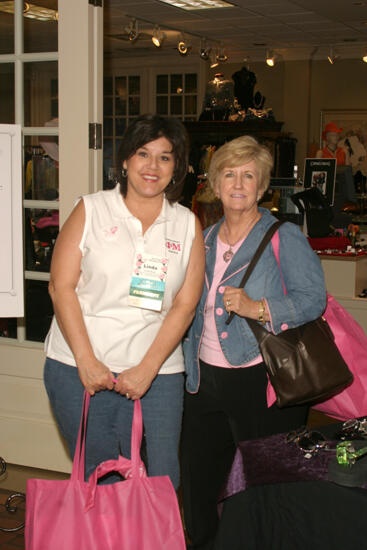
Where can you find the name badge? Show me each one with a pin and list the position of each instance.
(148, 282)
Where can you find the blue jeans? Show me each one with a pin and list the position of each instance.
(110, 419)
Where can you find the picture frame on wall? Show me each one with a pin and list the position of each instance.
(321, 173)
(353, 137)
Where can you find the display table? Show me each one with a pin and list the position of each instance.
(273, 502)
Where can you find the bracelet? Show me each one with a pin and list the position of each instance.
(262, 310)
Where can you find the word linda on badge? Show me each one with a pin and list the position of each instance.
(148, 282)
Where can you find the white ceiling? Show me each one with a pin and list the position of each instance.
(293, 28)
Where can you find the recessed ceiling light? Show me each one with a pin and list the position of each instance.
(198, 4)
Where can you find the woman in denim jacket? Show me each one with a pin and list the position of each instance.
(226, 400)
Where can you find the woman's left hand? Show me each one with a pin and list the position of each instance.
(237, 300)
(134, 382)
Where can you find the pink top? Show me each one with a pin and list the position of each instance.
(210, 349)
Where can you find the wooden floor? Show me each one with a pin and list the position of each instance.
(11, 540)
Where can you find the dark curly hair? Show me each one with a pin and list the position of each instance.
(148, 128)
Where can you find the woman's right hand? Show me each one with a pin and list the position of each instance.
(95, 376)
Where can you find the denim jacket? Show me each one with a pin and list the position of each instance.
(305, 298)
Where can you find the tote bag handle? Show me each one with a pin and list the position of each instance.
(78, 469)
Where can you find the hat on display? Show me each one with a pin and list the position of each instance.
(331, 127)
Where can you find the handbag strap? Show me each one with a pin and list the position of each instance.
(267, 237)
(78, 469)
(136, 438)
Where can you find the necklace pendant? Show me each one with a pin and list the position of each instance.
(227, 256)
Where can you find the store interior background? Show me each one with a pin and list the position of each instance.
(298, 88)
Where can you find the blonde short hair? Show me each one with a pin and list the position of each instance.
(240, 151)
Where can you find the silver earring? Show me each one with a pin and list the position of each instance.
(124, 172)
(172, 182)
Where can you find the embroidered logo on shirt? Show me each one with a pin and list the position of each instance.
(110, 232)
(173, 246)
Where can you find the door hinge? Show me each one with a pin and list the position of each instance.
(96, 3)
(95, 135)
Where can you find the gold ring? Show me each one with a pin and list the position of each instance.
(127, 395)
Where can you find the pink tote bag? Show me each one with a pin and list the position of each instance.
(139, 513)
(352, 344)
(351, 341)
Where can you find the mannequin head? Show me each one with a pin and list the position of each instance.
(331, 134)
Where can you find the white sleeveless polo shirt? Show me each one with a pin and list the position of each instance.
(121, 334)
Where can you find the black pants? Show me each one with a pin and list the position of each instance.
(230, 407)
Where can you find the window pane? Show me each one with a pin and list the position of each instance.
(107, 106)
(8, 327)
(39, 102)
(6, 33)
(134, 85)
(107, 162)
(41, 168)
(107, 127)
(120, 87)
(54, 98)
(162, 105)
(176, 105)
(162, 84)
(120, 106)
(54, 108)
(54, 87)
(7, 111)
(190, 104)
(38, 310)
(107, 85)
(41, 36)
(134, 106)
(176, 84)
(191, 84)
(41, 228)
(120, 125)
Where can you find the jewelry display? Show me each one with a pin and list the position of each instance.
(310, 442)
(353, 429)
(11, 502)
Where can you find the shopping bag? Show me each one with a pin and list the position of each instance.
(352, 344)
(139, 513)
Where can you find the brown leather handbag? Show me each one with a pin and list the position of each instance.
(303, 363)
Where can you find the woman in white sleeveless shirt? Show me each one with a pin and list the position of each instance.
(126, 275)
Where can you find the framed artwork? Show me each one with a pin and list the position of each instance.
(354, 135)
(321, 173)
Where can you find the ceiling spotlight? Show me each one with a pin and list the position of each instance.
(158, 36)
(182, 46)
(132, 30)
(270, 58)
(213, 60)
(332, 57)
(204, 50)
(221, 56)
(364, 58)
